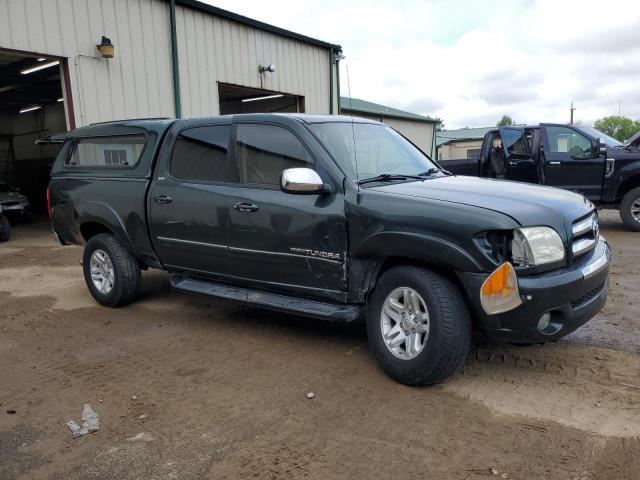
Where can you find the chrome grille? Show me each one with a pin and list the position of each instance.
(585, 233)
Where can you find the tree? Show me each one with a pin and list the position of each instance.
(440, 125)
(505, 121)
(620, 128)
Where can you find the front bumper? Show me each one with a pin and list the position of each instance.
(572, 295)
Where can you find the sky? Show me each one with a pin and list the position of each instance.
(470, 62)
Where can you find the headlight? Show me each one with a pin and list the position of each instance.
(536, 246)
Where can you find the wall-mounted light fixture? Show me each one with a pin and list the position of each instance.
(269, 68)
(106, 48)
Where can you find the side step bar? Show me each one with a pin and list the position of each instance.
(273, 301)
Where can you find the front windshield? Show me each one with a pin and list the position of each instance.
(5, 187)
(366, 150)
(604, 138)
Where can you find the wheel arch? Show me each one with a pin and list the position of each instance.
(628, 184)
(382, 253)
(94, 218)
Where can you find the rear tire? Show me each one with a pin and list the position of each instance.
(5, 228)
(630, 210)
(111, 272)
(435, 315)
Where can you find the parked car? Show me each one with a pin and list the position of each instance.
(330, 217)
(573, 157)
(14, 203)
(5, 227)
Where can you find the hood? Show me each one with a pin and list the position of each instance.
(527, 204)
(11, 196)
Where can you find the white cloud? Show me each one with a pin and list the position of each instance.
(471, 62)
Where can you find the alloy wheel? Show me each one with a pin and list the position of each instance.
(404, 321)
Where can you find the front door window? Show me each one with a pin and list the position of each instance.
(568, 141)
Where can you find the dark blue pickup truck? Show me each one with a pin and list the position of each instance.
(330, 217)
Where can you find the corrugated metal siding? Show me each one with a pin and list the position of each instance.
(137, 82)
(213, 49)
(420, 133)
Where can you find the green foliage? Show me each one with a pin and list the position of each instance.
(440, 125)
(620, 128)
(505, 121)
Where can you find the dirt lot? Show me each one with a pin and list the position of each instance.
(192, 388)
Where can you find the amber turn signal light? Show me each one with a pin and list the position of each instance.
(499, 292)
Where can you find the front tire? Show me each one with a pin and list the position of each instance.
(418, 325)
(110, 270)
(630, 210)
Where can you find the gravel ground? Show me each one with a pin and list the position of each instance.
(189, 388)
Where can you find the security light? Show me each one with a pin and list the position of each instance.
(106, 48)
(269, 68)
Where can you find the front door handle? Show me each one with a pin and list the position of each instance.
(555, 164)
(513, 164)
(162, 199)
(246, 207)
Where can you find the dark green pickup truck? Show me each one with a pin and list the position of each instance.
(330, 217)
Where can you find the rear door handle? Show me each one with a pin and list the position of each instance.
(555, 164)
(162, 199)
(246, 207)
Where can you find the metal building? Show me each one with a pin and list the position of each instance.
(69, 63)
(460, 144)
(417, 128)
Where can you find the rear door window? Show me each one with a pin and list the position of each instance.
(107, 152)
(201, 154)
(264, 151)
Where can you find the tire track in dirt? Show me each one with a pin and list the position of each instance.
(594, 390)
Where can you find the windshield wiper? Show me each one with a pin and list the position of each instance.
(433, 170)
(389, 177)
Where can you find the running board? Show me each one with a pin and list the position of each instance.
(273, 301)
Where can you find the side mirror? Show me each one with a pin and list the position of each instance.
(601, 148)
(301, 181)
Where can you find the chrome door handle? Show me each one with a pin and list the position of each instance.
(246, 207)
(162, 199)
(555, 164)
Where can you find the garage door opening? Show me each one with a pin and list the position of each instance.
(32, 106)
(238, 99)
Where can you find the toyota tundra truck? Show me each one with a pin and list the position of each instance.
(330, 217)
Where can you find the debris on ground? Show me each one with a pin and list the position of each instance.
(311, 395)
(141, 437)
(90, 422)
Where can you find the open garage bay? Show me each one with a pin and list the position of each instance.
(187, 387)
